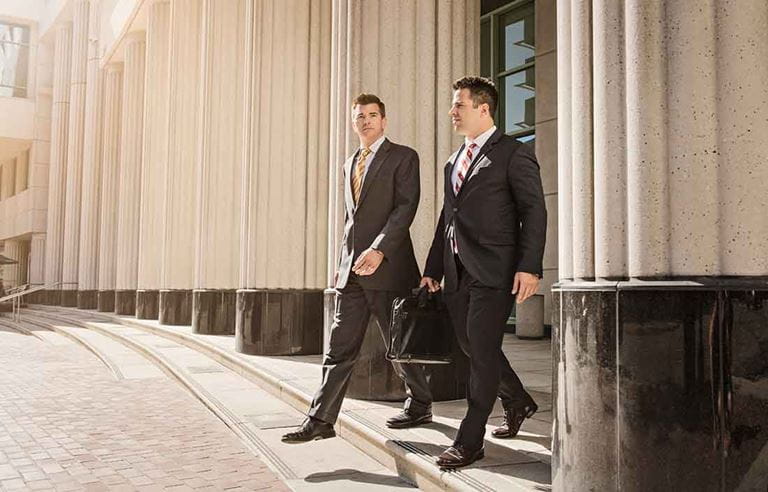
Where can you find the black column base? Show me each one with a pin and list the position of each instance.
(106, 301)
(661, 385)
(87, 299)
(125, 302)
(213, 311)
(279, 322)
(147, 304)
(52, 297)
(69, 298)
(175, 307)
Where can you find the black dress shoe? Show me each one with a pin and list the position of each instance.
(457, 456)
(513, 419)
(311, 430)
(407, 418)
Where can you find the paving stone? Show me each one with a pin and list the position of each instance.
(66, 424)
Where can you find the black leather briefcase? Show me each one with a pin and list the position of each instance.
(420, 330)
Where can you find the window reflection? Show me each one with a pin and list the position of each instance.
(519, 43)
(519, 101)
(14, 60)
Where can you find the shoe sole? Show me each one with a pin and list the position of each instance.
(410, 424)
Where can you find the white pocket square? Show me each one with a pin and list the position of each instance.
(485, 162)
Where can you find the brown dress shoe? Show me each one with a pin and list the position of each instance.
(457, 456)
(407, 418)
(311, 430)
(513, 419)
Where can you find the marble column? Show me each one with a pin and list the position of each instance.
(131, 150)
(88, 259)
(178, 258)
(661, 303)
(284, 175)
(76, 136)
(154, 161)
(110, 168)
(438, 44)
(217, 238)
(58, 166)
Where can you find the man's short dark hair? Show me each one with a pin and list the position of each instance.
(481, 90)
(364, 99)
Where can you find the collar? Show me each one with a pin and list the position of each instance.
(375, 145)
(481, 139)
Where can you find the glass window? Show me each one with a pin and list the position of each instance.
(14, 59)
(518, 45)
(508, 56)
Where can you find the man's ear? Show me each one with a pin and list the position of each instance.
(383, 122)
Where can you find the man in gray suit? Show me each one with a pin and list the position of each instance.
(377, 264)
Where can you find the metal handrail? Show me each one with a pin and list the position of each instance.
(16, 297)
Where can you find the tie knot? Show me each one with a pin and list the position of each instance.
(472, 146)
(365, 153)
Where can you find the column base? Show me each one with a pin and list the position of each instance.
(175, 307)
(52, 297)
(125, 302)
(106, 301)
(87, 299)
(279, 322)
(661, 368)
(147, 304)
(213, 311)
(69, 298)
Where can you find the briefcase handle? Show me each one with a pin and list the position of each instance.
(423, 296)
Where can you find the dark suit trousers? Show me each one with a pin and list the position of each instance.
(479, 315)
(354, 306)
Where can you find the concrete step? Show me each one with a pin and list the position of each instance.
(522, 463)
(256, 416)
(121, 361)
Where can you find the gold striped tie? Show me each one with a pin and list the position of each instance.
(357, 178)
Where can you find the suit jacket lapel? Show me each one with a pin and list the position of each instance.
(374, 167)
(449, 171)
(485, 149)
(348, 198)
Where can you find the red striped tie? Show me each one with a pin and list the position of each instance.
(464, 167)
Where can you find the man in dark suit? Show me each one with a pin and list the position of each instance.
(377, 264)
(488, 245)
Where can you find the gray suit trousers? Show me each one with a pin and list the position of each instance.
(354, 307)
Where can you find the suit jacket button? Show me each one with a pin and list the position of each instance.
(455, 209)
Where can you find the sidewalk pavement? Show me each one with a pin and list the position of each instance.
(517, 464)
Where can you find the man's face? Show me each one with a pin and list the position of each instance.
(368, 122)
(467, 120)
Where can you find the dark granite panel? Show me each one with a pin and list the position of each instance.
(147, 304)
(106, 301)
(667, 374)
(213, 312)
(279, 322)
(125, 302)
(53, 297)
(175, 307)
(745, 395)
(584, 438)
(87, 299)
(310, 337)
(69, 298)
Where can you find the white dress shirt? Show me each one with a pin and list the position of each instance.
(480, 141)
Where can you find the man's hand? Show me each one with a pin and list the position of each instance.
(432, 284)
(368, 261)
(525, 285)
